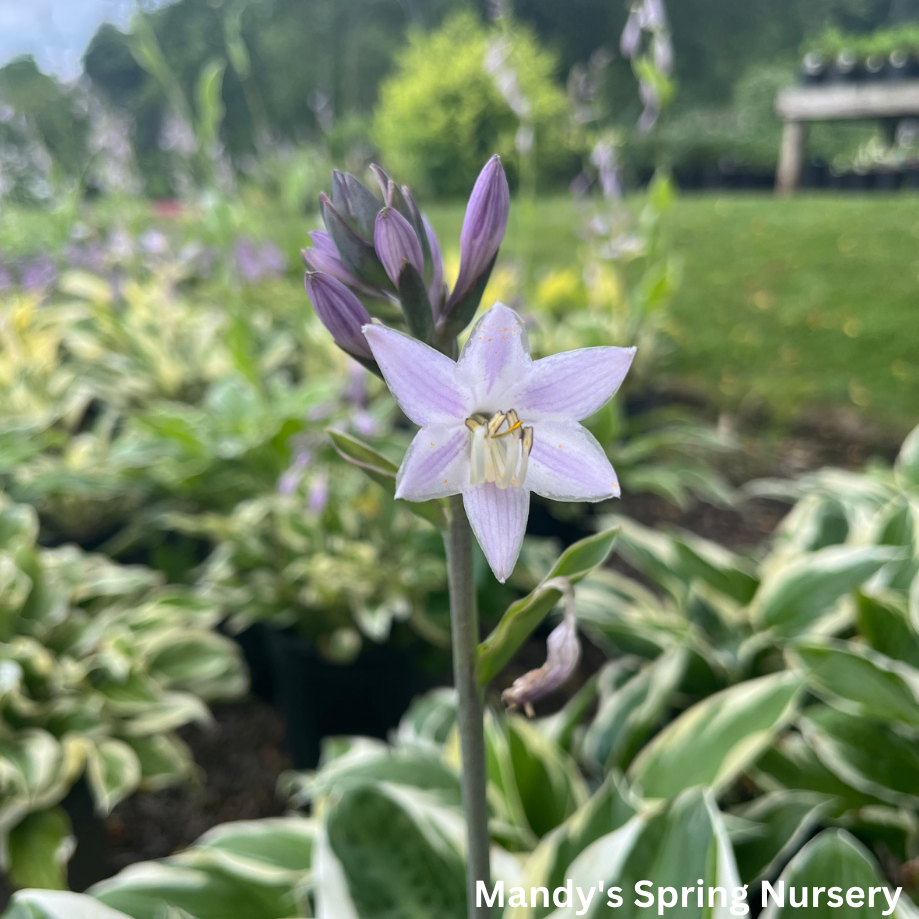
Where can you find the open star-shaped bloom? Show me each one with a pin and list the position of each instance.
(497, 425)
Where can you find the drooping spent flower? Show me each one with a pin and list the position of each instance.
(563, 653)
(340, 312)
(496, 425)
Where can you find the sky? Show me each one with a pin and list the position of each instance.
(55, 31)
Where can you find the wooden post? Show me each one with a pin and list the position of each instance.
(791, 157)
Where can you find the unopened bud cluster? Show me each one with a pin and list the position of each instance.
(379, 253)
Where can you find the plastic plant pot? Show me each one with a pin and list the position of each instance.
(844, 67)
(813, 68)
(874, 67)
(897, 67)
(319, 699)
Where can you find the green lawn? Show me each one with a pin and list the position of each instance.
(802, 303)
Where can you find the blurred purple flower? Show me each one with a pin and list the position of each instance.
(631, 34)
(318, 499)
(663, 53)
(293, 475)
(86, 257)
(255, 262)
(37, 274)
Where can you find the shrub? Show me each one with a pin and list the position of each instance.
(440, 116)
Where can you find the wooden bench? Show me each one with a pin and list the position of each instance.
(834, 102)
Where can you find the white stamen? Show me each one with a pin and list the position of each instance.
(496, 455)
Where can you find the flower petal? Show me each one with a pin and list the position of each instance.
(495, 358)
(573, 384)
(422, 379)
(567, 464)
(499, 520)
(436, 464)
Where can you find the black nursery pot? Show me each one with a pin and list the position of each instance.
(90, 862)
(255, 644)
(320, 699)
(886, 180)
(909, 178)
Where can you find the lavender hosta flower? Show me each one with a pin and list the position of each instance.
(484, 226)
(497, 425)
(563, 654)
(396, 243)
(340, 312)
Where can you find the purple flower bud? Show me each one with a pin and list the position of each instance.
(382, 179)
(396, 243)
(324, 257)
(483, 226)
(340, 312)
(436, 289)
(340, 197)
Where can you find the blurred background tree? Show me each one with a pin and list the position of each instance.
(344, 72)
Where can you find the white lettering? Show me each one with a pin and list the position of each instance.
(639, 889)
(891, 901)
(481, 893)
(568, 891)
(666, 897)
(778, 897)
(585, 901)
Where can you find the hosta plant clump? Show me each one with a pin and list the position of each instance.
(99, 665)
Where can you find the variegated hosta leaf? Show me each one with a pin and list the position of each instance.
(114, 772)
(58, 904)
(393, 852)
(834, 859)
(40, 848)
(803, 595)
(608, 809)
(671, 846)
(250, 870)
(537, 785)
(861, 681)
(775, 826)
(36, 772)
(715, 740)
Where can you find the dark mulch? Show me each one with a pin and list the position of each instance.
(240, 758)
